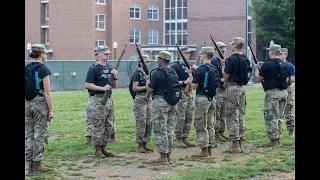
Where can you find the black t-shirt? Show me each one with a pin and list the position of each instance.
(98, 75)
(157, 81)
(182, 71)
(43, 71)
(198, 77)
(232, 67)
(216, 62)
(138, 76)
(269, 71)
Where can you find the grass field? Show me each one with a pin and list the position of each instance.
(67, 137)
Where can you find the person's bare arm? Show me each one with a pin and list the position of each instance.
(137, 88)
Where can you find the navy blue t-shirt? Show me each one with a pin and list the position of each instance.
(198, 78)
(98, 75)
(157, 81)
(291, 68)
(43, 71)
(182, 71)
(232, 67)
(138, 76)
(269, 71)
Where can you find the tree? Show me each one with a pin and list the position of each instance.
(275, 20)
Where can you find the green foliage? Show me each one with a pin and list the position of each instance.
(275, 20)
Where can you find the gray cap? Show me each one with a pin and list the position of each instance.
(184, 49)
(166, 55)
(145, 57)
(103, 49)
(207, 50)
(237, 40)
(221, 46)
(274, 47)
(39, 47)
(284, 50)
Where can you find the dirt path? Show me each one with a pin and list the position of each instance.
(133, 165)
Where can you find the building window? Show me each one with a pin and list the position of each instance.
(100, 43)
(101, 2)
(135, 36)
(134, 57)
(176, 33)
(100, 22)
(135, 11)
(46, 36)
(153, 13)
(46, 11)
(153, 36)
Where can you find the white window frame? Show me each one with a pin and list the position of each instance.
(101, 3)
(153, 7)
(100, 41)
(153, 36)
(104, 22)
(134, 35)
(46, 36)
(46, 11)
(134, 12)
(135, 57)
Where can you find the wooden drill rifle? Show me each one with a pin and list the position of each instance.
(106, 95)
(219, 52)
(144, 66)
(188, 87)
(254, 59)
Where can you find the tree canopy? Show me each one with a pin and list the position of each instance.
(275, 20)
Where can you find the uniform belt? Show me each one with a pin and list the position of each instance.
(275, 89)
(98, 95)
(234, 84)
(141, 93)
(156, 97)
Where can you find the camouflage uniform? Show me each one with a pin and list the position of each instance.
(221, 118)
(288, 114)
(89, 118)
(37, 125)
(184, 116)
(142, 112)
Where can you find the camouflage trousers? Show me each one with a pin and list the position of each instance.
(275, 101)
(162, 117)
(235, 111)
(100, 120)
(288, 114)
(37, 124)
(184, 116)
(89, 124)
(142, 113)
(204, 119)
(220, 98)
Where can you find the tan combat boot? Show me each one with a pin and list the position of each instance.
(30, 167)
(89, 142)
(204, 153)
(219, 137)
(210, 151)
(141, 148)
(180, 144)
(234, 148)
(224, 136)
(146, 148)
(163, 160)
(187, 143)
(169, 158)
(112, 139)
(272, 143)
(37, 168)
(241, 145)
(99, 152)
(291, 135)
(106, 153)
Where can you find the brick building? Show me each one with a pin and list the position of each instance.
(71, 29)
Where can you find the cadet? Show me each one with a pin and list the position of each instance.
(236, 95)
(205, 108)
(220, 97)
(185, 105)
(38, 111)
(97, 82)
(288, 115)
(275, 98)
(142, 106)
(163, 114)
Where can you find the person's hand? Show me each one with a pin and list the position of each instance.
(194, 66)
(106, 87)
(256, 66)
(115, 73)
(223, 80)
(50, 114)
(186, 81)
